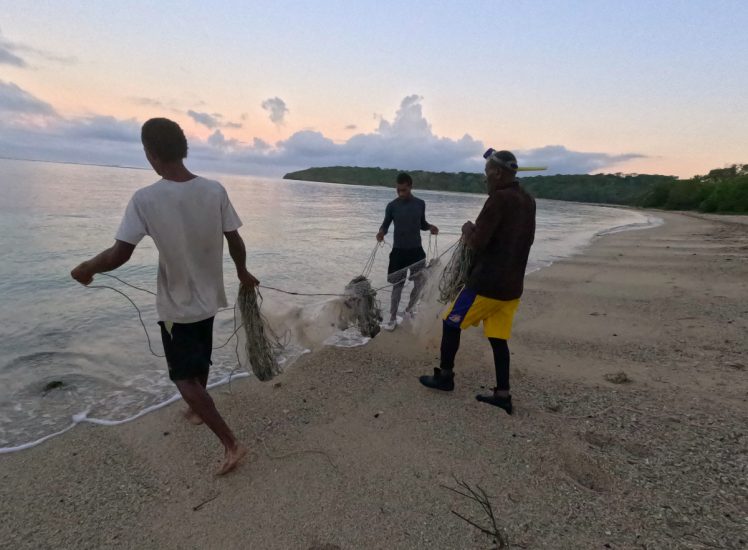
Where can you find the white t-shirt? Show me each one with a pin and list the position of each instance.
(187, 221)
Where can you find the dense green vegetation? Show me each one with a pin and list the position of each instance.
(622, 189)
(441, 181)
(721, 190)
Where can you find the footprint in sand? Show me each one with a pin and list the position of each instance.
(584, 470)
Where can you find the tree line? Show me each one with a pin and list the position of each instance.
(722, 190)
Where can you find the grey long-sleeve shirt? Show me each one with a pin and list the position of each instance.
(410, 219)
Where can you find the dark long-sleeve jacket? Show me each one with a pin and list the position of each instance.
(504, 232)
(410, 219)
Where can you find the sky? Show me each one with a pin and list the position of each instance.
(264, 88)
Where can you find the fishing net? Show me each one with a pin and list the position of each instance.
(361, 298)
(261, 343)
(455, 273)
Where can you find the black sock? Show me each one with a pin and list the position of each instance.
(450, 345)
(501, 362)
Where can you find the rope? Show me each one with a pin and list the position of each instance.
(127, 284)
(416, 263)
(140, 314)
(370, 262)
(146, 290)
(291, 293)
(367, 270)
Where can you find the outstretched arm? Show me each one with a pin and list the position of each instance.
(239, 254)
(111, 258)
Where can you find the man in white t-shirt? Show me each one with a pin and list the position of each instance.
(187, 217)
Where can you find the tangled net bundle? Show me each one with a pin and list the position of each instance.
(362, 299)
(455, 273)
(261, 344)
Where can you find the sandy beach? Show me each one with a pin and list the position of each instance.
(630, 382)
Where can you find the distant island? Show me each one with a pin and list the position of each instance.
(723, 190)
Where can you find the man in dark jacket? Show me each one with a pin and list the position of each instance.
(500, 239)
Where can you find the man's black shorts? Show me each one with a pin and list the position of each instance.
(188, 348)
(401, 258)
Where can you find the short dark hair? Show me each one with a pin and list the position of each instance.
(164, 139)
(404, 177)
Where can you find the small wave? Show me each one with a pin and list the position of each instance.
(24, 446)
(83, 416)
(651, 221)
(40, 358)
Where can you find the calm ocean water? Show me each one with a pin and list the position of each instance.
(308, 237)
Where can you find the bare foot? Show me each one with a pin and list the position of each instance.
(192, 417)
(233, 457)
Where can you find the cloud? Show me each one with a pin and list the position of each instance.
(260, 144)
(9, 54)
(209, 121)
(149, 102)
(16, 101)
(32, 129)
(406, 141)
(218, 140)
(102, 128)
(351, 127)
(409, 121)
(96, 140)
(277, 109)
(7, 57)
(61, 59)
(212, 121)
(561, 160)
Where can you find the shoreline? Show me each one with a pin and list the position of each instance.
(82, 416)
(348, 451)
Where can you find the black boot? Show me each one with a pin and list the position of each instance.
(497, 401)
(443, 379)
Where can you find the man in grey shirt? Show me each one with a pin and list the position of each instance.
(409, 215)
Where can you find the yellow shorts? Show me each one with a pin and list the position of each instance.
(470, 308)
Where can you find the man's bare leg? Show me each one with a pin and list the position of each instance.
(200, 401)
(191, 416)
